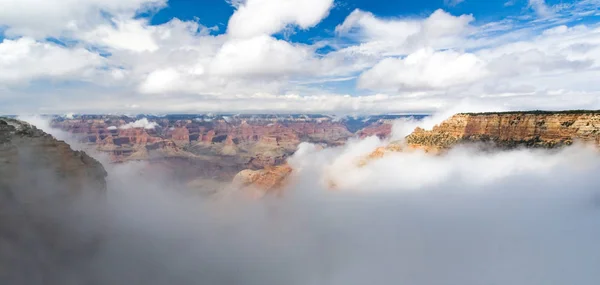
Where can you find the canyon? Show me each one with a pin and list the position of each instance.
(487, 131)
(216, 147)
(44, 178)
(252, 150)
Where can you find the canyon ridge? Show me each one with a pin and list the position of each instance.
(491, 131)
(208, 150)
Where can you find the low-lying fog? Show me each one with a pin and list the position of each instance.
(523, 217)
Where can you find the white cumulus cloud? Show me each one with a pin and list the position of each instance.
(260, 56)
(131, 35)
(25, 59)
(266, 17)
(424, 69)
(43, 18)
(400, 36)
(400, 63)
(141, 123)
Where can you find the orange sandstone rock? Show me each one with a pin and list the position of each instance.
(270, 180)
(512, 129)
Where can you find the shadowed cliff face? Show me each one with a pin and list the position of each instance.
(42, 183)
(26, 149)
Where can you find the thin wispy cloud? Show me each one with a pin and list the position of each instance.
(452, 3)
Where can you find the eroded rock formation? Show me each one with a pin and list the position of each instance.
(507, 130)
(216, 147)
(512, 129)
(270, 180)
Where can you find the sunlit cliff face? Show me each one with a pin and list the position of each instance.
(467, 217)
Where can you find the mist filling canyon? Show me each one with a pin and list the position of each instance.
(471, 215)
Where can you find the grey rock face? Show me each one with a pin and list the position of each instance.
(44, 184)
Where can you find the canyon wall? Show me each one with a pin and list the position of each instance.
(215, 147)
(498, 131)
(42, 184)
(30, 157)
(512, 129)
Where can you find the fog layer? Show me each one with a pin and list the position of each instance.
(519, 217)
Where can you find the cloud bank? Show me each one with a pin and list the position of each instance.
(519, 217)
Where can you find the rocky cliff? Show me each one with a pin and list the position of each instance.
(512, 129)
(536, 129)
(42, 182)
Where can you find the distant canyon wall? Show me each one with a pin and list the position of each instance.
(512, 129)
(215, 147)
(498, 131)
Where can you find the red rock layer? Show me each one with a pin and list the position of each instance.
(382, 130)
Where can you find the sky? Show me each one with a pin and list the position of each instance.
(296, 56)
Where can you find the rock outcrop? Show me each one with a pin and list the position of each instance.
(270, 180)
(28, 155)
(512, 129)
(42, 184)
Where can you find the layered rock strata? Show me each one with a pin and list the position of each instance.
(215, 147)
(536, 129)
(512, 129)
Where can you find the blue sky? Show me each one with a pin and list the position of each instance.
(216, 13)
(128, 56)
